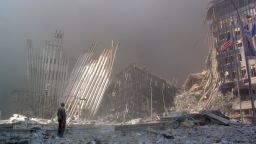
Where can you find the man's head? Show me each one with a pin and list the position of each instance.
(62, 104)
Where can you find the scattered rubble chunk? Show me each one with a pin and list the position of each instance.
(134, 121)
(216, 117)
(17, 118)
(164, 134)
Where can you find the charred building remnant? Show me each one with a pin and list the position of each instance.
(135, 93)
(47, 76)
(232, 34)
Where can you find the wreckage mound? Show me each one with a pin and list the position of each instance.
(194, 81)
(200, 93)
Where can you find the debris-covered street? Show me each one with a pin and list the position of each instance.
(167, 130)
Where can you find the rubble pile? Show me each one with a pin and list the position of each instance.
(223, 103)
(194, 82)
(193, 91)
(199, 94)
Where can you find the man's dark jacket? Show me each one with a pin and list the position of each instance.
(61, 114)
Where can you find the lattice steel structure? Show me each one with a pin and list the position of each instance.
(88, 82)
(47, 76)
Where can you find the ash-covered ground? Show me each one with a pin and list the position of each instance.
(21, 130)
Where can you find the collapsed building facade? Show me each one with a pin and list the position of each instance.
(88, 82)
(47, 76)
(135, 93)
(228, 21)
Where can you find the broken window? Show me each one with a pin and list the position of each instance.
(231, 59)
(243, 72)
(233, 75)
(246, 112)
(237, 32)
(253, 71)
(240, 57)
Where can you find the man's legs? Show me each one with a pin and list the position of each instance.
(62, 128)
(59, 129)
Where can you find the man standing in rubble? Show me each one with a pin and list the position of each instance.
(61, 114)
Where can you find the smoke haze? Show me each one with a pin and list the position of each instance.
(168, 37)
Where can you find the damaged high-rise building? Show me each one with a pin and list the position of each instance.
(232, 36)
(135, 92)
(47, 76)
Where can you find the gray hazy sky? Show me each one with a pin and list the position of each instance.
(166, 36)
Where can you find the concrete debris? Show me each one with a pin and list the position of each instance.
(164, 134)
(188, 123)
(40, 121)
(193, 82)
(193, 92)
(192, 102)
(216, 117)
(193, 88)
(17, 118)
(195, 119)
(94, 142)
(202, 92)
(134, 121)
